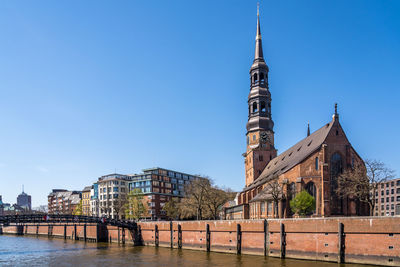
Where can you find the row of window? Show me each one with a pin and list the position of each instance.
(262, 107)
(391, 191)
(391, 184)
(387, 199)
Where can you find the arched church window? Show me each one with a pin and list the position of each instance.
(262, 77)
(316, 163)
(336, 169)
(311, 189)
(292, 190)
(269, 108)
(255, 78)
(262, 106)
(255, 108)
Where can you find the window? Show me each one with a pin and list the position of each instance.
(262, 207)
(260, 158)
(392, 206)
(392, 183)
(255, 78)
(398, 190)
(387, 207)
(316, 163)
(387, 199)
(311, 189)
(336, 169)
(382, 207)
(262, 77)
(382, 193)
(398, 182)
(262, 107)
(269, 208)
(387, 191)
(383, 200)
(382, 185)
(255, 108)
(254, 137)
(387, 185)
(398, 198)
(115, 189)
(392, 199)
(392, 191)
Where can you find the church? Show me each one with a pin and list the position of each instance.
(313, 164)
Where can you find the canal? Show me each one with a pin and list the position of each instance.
(33, 251)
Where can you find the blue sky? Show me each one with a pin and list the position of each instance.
(90, 87)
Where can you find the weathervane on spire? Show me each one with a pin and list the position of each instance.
(258, 8)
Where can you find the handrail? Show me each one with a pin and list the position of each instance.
(65, 218)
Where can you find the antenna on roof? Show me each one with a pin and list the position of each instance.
(308, 129)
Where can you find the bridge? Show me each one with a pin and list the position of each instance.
(76, 227)
(64, 218)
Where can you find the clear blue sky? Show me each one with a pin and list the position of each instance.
(87, 87)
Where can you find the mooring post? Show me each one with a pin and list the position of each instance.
(239, 239)
(37, 229)
(75, 233)
(208, 238)
(266, 238)
(156, 241)
(123, 235)
(65, 231)
(179, 236)
(341, 243)
(84, 232)
(283, 241)
(171, 230)
(119, 236)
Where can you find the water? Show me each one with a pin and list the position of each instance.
(33, 251)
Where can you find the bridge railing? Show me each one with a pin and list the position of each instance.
(64, 218)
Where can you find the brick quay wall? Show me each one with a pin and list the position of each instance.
(368, 240)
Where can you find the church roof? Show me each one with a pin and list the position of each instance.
(293, 156)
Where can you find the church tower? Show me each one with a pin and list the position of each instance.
(260, 134)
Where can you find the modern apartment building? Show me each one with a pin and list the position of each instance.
(113, 189)
(159, 186)
(94, 200)
(387, 202)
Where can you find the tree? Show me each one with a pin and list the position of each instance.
(171, 208)
(303, 203)
(78, 210)
(193, 204)
(136, 206)
(276, 192)
(119, 206)
(215, 198)
(362, 181)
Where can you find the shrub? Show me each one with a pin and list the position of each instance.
(303, 203)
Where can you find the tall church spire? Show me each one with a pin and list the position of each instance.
(259, 52)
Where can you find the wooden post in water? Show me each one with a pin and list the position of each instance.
(266, 238)
(238, 239)
(156, 241)
(123, 235)
(341, 243)
(75, 233)
(84, 232)
(65, 231)
(283, 241)
(171, 230)
(208, 238)
(37, 229)
(119, 236)
(179, 236)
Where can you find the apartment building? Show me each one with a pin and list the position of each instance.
(387, 202)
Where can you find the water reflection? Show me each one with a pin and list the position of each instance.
(32, 251)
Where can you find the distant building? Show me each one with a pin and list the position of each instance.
(94, 200)
(62, 201)
(86, 201)
(387, 198)
(1, 206)
(24, 201)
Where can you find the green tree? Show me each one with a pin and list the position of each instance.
(136, 206)
(78, 210)
(303, 203)
(171, 208)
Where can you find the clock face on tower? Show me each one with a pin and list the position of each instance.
(264, 137)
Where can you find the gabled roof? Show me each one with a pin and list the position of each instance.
(292, 156)
(87, 188)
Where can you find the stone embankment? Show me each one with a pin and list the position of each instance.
(368, 240)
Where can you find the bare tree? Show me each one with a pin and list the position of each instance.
(276, 192)
(362, 181)
(215, 198)
(195, 194)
